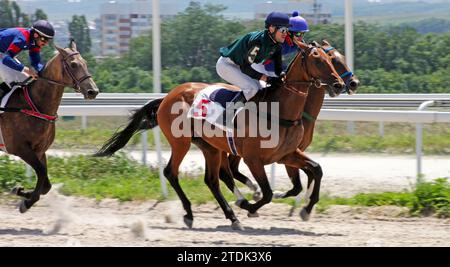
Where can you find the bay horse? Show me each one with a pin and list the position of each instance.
(312, 108)
(28, 123)
(308, 69)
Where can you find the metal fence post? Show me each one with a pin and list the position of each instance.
(419, 137)
(84, 122)
(144, 147)
(351, 127)
(160, 161)
(272, 175)
(381, 128)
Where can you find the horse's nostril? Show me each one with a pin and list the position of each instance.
(353, 84)
(338, 85)
(91, 92)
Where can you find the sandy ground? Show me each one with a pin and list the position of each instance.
(58, 220)
(67, 221)
(343, 174)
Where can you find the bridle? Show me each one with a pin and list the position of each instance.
(346, 76)
(316, 82)
(76, 82)
(34, 111)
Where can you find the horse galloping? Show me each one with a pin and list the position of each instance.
(309, 69)
(28, 123)
(312, 108)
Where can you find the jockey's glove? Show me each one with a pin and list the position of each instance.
(275, 81)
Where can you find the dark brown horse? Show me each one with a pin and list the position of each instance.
(308, 70)
(312, 108)
(28, 125)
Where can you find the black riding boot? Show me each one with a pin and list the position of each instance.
(237, 102)
(4, 89)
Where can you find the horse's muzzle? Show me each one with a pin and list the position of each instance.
(91, 93)
(353, 86)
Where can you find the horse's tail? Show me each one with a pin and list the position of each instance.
(141, 120)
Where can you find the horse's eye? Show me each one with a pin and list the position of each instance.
(73, 65)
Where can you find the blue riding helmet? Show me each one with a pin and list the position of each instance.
(44, 28)
(298, 23)
(278, 19)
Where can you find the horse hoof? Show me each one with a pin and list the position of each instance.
(278, 194)
(253, 215)
(241, 203)
(188, 222)
(23, 208)
(16, 190)
(237, 226)
(304, 215)
(257, 196)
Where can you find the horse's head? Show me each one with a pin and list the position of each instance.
(338, 60)
(317, 68)
(75, 71)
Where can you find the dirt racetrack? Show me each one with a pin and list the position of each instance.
(58, 220)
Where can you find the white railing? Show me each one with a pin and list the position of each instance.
(409, 116)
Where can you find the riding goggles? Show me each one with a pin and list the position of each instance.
(283, 29)
(298, 34)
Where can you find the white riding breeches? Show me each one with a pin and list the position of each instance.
(230, 72)
(261, 69)
(9, 75)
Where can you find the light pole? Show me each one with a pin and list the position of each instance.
(157, 84)
(349, 34)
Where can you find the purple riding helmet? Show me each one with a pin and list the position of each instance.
(298, 23)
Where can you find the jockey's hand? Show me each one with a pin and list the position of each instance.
(275, 81)
(283, 76)
(31, 72)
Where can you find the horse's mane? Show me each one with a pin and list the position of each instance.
(292, 61)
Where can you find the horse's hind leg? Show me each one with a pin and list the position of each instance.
(171, 172)
(227, 177)
(234, 167)
(40, 168)
(213, 159)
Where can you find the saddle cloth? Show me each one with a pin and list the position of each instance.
(210, 103)
(6, 98)
(3, 103)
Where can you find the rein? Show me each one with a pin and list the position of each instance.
(314, 81)
(76, 82)
(34, 111)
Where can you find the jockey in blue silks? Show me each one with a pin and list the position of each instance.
(15, 40)
(298, 28)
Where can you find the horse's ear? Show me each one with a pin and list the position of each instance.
(60, 50)
(73, 45)
(325, 42)
(302, 45)
(315, 44)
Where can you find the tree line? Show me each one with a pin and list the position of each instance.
(388, 59)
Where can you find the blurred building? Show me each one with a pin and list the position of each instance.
(119, 22)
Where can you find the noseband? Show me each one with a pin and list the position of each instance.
(346, 76)
(76, 81)
(316, 82)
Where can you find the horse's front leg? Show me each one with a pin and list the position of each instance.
(39, 164)
(294, 175)
(256, 167)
